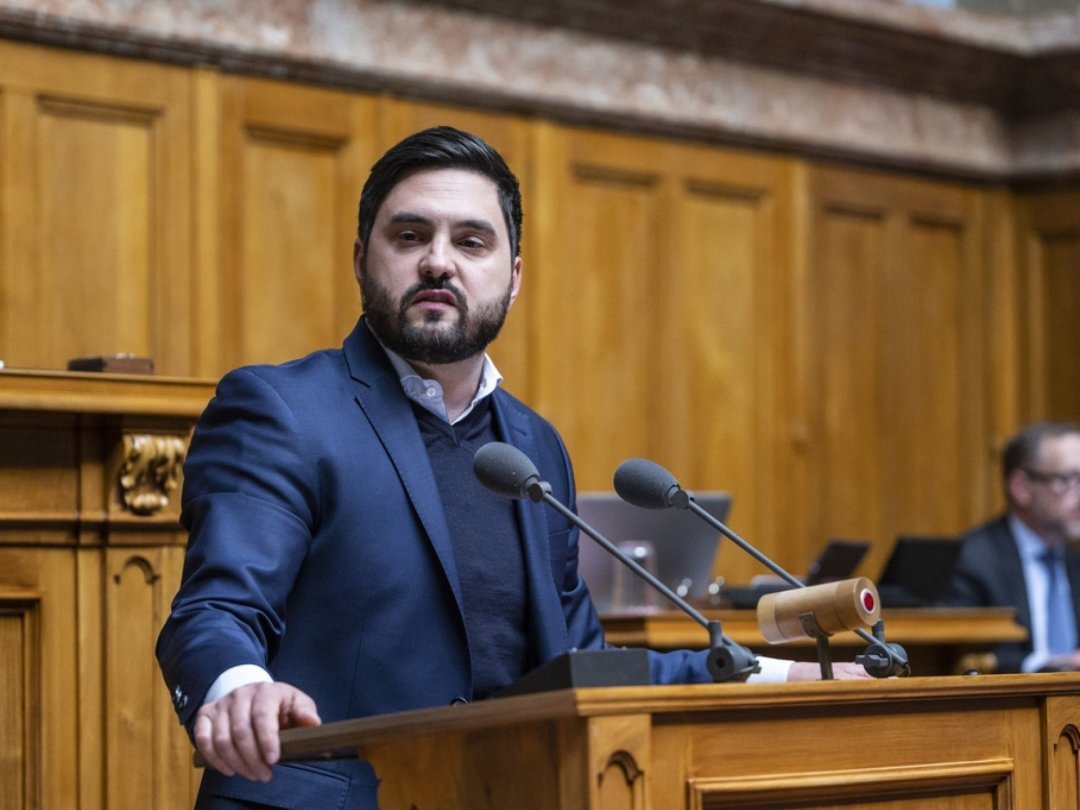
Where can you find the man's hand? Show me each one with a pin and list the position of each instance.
(238, 734)
(806, 671)
(1070, 662)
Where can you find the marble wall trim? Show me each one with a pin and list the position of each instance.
(992, 103)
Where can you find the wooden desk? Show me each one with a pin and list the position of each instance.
(960, 743)
(939, 641)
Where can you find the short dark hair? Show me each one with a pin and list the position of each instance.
(1022, 451)
(441, 148)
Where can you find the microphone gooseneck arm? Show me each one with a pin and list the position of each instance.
(881, 659)
(693, 506)
(610, 547)
(728, 660)
(646, 484)
(507, 471)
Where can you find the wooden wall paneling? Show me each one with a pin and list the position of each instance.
(845, 452)
(96, 164)
(724, 346)
(1003, 324)
(1050, 262)
(600, 224)
(898, 295)
(291, 162)
(37, 595)
(664, 325)
(726, 343)
(511, 136)
(793, 516)
(933, 367)
(209, 301)
(39, 485)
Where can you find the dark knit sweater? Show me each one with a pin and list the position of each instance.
(487, 548)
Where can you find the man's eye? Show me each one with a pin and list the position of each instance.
(408, 236)
(472, 243)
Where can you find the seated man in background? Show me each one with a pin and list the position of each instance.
(1027, 558)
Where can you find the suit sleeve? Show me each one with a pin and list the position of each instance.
(248, 506)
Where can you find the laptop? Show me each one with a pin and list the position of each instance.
(685, 544)
(838, 560)
(918, 570)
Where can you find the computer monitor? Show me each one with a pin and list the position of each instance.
(917, 571)
(685, 544)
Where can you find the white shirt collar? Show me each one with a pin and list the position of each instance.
(1030, 545)
(428, 394)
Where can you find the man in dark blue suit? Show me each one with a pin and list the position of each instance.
(1027, 559)
(343, 561)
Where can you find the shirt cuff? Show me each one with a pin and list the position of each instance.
(773, 670)
(1035, 661)
(234, 678)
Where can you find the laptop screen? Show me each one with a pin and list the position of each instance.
(685, 544)
(838, 560)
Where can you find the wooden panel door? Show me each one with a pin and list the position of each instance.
(127, 593)
(1050, 292)
(662, 329)
(39, 684)
(897, 378)
(280, 168)
(95, 232)
(511, 136)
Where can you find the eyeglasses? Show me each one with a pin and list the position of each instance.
(1059, 483)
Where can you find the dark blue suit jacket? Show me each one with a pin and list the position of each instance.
(990, 573)
(318, 550)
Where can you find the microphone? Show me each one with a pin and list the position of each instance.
(646, 484)
(507, 471)
(812, 612)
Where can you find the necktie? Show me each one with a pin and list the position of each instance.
(1060, 618)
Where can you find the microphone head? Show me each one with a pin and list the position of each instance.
(645, 483)
(505, 470)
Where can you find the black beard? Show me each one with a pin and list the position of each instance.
(470, 336)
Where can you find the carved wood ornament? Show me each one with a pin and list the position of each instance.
(150, 471)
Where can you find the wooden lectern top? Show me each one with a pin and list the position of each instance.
(948, 742)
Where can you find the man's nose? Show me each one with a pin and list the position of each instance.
(438, 260)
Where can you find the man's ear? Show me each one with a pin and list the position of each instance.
(515, 279)
(1018, 487)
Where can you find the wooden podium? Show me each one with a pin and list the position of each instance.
(1005, 741)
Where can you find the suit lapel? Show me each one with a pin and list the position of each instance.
(547, 623)
(379, 394)
(1012, 572)
(1072, 566)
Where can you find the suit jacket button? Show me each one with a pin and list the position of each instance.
(459, 701)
